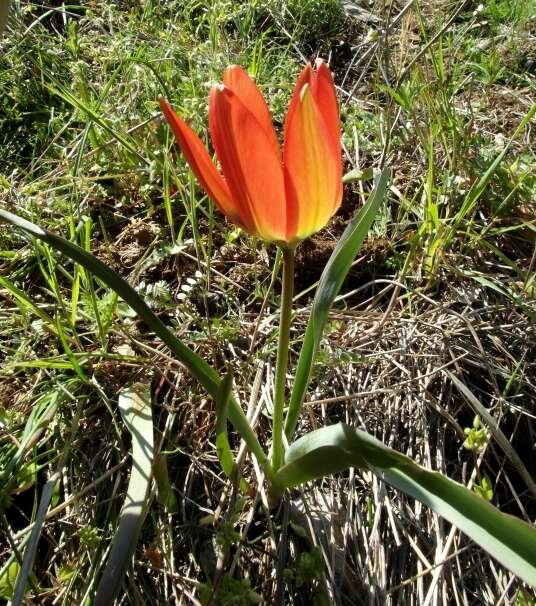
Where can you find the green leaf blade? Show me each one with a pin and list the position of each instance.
(508, 539)
(135, 407)
(330, 283)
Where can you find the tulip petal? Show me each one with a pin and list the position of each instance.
(323, 91)
(313, 171)
(303, 79)
(237, 79)
(201, 163)
(250, 164)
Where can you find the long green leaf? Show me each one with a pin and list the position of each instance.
(30, 553)
(199, 369)
(135, 407)
(330, 283)
(331, 449)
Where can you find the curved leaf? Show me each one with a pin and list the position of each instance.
(135, 407)
(330, 283)
(330, 449)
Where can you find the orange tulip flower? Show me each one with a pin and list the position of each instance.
(280, 197)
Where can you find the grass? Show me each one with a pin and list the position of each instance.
(443, 94)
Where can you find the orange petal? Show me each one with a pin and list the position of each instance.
(251, 167)
(313, 172)
(200, 162)
(303, 79)
(323, 91)
(237, 79)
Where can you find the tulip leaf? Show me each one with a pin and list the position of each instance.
(330, 449)
(329, 286)
(135, 407)
(199, 369)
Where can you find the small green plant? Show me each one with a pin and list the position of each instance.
(307, 575)
(523, 598)
(66, 573)
(90, 536)
(310, 21)
(485, 488)
(8, 580)
(156, 293)
(476, 436)
(227, 536)
(310, 567)
(232, 592)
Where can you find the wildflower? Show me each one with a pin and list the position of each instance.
(281, 197)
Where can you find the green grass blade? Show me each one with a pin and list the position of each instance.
(164, 490)
(31, 549)
(26, 304)
(199, 369)
(79, 104)
(135, 407)
(330, 283)
(40, 417)
(69, 353)
(331, 449)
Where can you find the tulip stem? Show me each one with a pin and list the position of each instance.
(282, 357)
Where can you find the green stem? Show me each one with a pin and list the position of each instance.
(282, 357)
